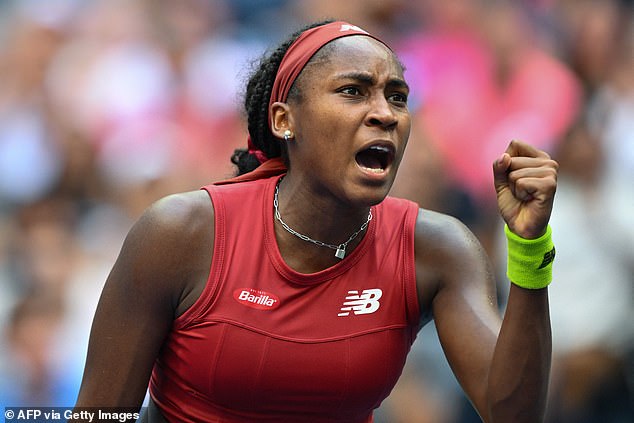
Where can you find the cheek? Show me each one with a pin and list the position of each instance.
(326, 128)
(404, 127)
(403, 134)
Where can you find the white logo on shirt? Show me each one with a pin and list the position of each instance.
(365, 303)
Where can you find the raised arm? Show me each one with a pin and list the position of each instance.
(525, 182)
(503, 365)
(161, 269)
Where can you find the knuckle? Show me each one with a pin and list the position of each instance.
(520, 183)
(514, 177)
(549, 162)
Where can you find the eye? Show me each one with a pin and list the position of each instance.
(350, 91)
(398, 98)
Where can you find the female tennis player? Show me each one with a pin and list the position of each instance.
(293, 292)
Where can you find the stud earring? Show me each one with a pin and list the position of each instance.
(287, 135)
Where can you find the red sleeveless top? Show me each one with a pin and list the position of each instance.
(266, 343)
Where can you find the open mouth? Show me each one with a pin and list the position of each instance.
(376, 158)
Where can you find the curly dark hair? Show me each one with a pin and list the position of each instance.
(256, 104)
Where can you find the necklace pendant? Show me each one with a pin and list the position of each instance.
(341, 252)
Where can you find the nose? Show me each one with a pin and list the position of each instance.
(381, 113)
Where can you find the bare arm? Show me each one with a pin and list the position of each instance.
(518, 378)
(525, 182)
(503, 366)
(160, 272)
(456, 284)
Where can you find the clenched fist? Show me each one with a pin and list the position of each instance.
(525, 181)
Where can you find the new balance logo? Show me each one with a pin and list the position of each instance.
(548, 258)
(365, 303)
(347, 27)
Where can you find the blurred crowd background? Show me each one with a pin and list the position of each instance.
(107, 105)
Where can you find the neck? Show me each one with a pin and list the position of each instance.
(320, 218)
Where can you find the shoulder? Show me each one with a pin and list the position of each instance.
(176, 225)
(169, 248)
(179, 215)
(172, 222)
(448, 256)
(436, 232)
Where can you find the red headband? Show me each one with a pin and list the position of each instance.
(296, 57)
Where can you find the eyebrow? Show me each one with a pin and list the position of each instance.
(367, 78)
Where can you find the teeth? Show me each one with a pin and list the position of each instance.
(369, 169)
(379, 148)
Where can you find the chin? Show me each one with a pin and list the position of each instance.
(371, 194)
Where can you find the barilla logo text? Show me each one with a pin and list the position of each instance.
(257, 299)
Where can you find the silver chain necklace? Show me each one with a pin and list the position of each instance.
(340, 250)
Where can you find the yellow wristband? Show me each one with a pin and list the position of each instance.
(530, 261)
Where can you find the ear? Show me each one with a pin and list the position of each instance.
(281, 119)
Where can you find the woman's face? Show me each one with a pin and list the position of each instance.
(351, 121)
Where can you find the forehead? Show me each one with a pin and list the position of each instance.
(355, 53)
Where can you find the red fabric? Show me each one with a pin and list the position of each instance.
(271, 167)
(300, 52)
(259, 154)
(296, 359)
